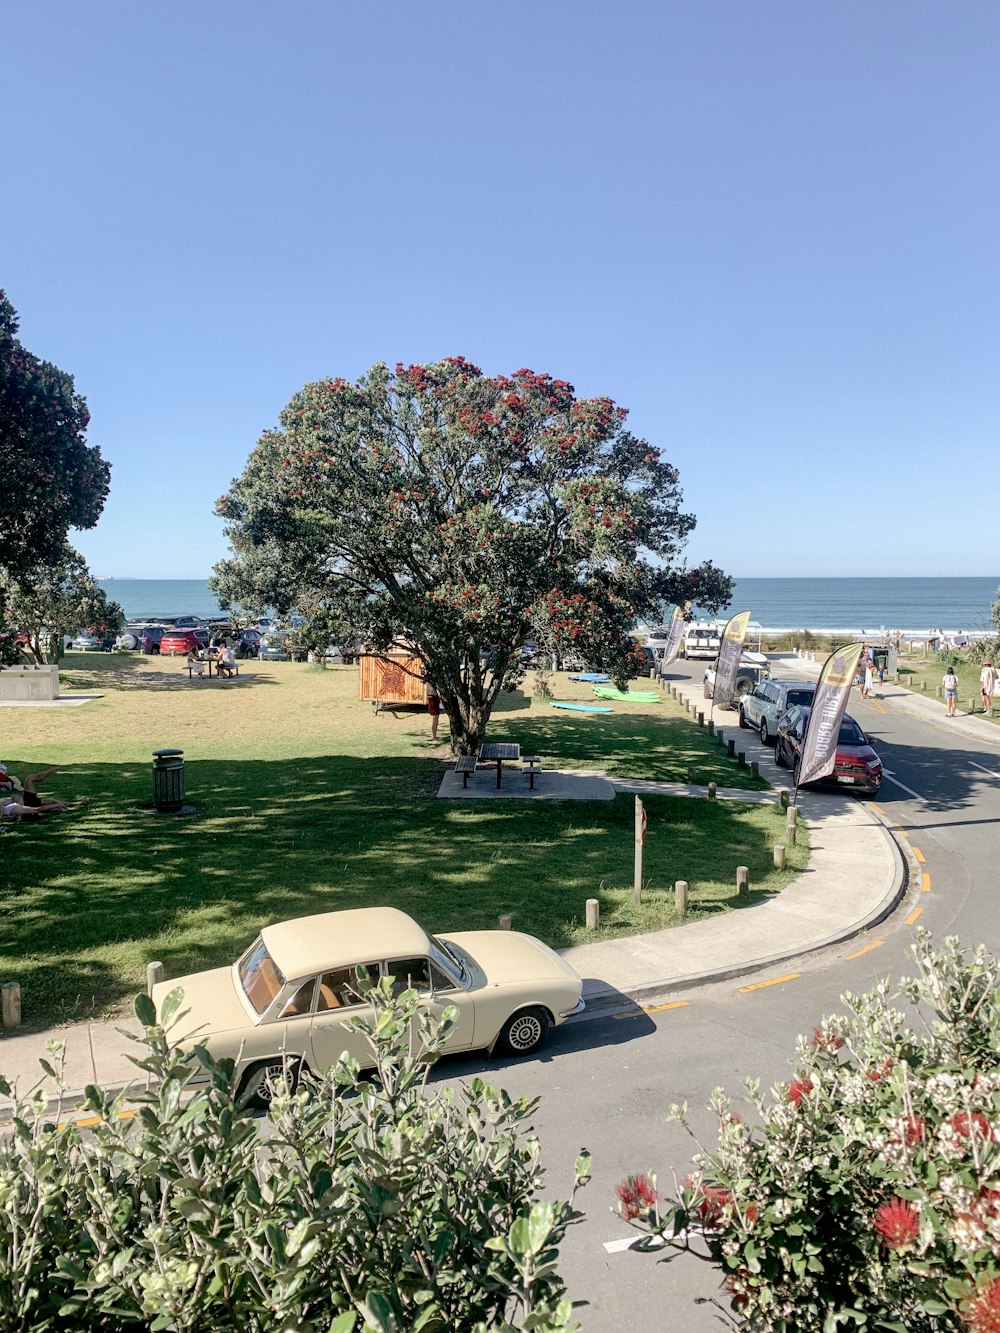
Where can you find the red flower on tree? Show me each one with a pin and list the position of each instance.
(798, 1089)
(636, 1195)
(984, 1311)
(898, 1223)
(970, 1124)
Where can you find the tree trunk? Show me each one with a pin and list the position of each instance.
(468, 718)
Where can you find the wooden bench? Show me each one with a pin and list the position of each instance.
(466, 765)
(530, 765)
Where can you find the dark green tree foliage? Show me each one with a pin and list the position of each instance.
(466, 514)
(58, 597)
(52, 479)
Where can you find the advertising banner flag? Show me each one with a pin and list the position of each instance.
(819, 745)
(727, 667)
(675, 637)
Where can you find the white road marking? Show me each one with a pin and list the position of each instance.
(656, 1243)
(984, 770)
(915, 794)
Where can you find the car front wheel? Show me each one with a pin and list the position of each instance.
(523, 1033)
(779, 758)
(765, 735)
(797, 768)
(259, 1084)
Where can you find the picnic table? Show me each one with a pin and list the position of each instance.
(496, 752)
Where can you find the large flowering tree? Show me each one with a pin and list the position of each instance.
(867, 1193)
(466, 514)
(46, 601)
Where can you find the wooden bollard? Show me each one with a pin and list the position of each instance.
(155, 972)
(711, 726)
(712, 789)
(503, 923)
(791, 825)
(972, 706)
(681, 895)
(754, 768)
(11, 1004)
(731, 747)
(779, 856)
(720, 736)
(692, 776)
(742, 881)
(593, 914)
(923, 685)
(784, 796)
(701, 717)
(741, 758)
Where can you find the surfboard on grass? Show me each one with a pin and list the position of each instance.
(580, 708)
(630, 696)
(592, 677)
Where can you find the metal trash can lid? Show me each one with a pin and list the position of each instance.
(157, 754)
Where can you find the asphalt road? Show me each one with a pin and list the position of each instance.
(607, 1084)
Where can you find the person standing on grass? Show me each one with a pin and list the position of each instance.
(987, 686)
(433, 711)
(950, 683)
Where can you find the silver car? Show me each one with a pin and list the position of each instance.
(761, 707)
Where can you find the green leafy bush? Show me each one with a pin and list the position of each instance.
(372, 1204)
(868, 1195)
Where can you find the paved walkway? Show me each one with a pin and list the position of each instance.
(856, 876)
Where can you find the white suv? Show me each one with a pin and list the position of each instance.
(762, 706)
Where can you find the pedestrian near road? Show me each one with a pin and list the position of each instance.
(867, 688)
(987, 686)
(950, 683)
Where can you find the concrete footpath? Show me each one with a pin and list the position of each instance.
(856, 876)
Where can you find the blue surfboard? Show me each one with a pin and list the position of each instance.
(582, 708)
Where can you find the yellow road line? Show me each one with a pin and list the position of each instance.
(875, 944)
(913, 915)
(920, 856)
(652, 1009)
(875, 806)
(925, 882)
(89, 1120)
(774, 981)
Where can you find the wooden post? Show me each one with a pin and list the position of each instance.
(681, 895)
(741, 758)
(712, 789)
(155, 972)
(784, 796)
(503, 923)
(754, 768)
(731, 747)
(711, 726)
(11, 1003)
(640, 840)
(593, 914)
(720, 736)
(923, 685)
(691, 773)
(742, 881)
(779, 856)
(701, 717)
(791, 823)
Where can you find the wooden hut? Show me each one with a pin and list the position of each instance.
(391, 678)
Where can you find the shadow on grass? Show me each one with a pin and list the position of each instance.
(88, 898)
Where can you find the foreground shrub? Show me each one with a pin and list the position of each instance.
(379, 1205)
(868, 1196)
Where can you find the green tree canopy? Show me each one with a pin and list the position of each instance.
(52, 479)
(58, 597)
(466, 514)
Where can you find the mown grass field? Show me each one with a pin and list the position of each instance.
(927, 670)
(307, 802)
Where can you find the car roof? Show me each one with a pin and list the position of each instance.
(795, 684)
(329, 940)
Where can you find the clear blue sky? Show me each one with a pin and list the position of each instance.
(768, 229)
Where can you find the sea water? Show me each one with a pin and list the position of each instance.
(858, 605)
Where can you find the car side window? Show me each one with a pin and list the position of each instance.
(409, 974)
(342, 988)
(440, 980)
(301, 1001)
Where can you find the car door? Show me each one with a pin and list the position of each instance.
(437, 991)
(338, 999)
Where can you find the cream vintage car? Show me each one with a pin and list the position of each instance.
(285, 1001)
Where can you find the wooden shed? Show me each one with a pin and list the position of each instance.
(393, 678)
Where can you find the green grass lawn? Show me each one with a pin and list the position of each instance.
(307, 802)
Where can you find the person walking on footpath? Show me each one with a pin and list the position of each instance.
(987, 686)
(950, 683)
(866, 689)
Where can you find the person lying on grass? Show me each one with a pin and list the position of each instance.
(18, 801)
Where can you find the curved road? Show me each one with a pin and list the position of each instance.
(607, 1084)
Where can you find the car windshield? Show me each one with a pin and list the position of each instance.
(799, 697)
(260, 976)
(850, 733)
(451, 956)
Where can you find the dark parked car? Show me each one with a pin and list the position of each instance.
(150, 637)
(179, 642)
(248, 644)
(857, 765)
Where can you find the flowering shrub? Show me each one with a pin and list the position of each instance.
(868, 1194)
(371, 1206)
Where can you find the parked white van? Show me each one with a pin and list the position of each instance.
(703, 639)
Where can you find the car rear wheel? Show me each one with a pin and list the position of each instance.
(779, 758)
(765, 735)
(523, 1033)
(259, 1084)
(743, 719)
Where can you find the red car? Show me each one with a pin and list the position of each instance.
(178, 643)
(857, 765)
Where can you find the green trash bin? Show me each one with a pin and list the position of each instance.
(168, 781)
